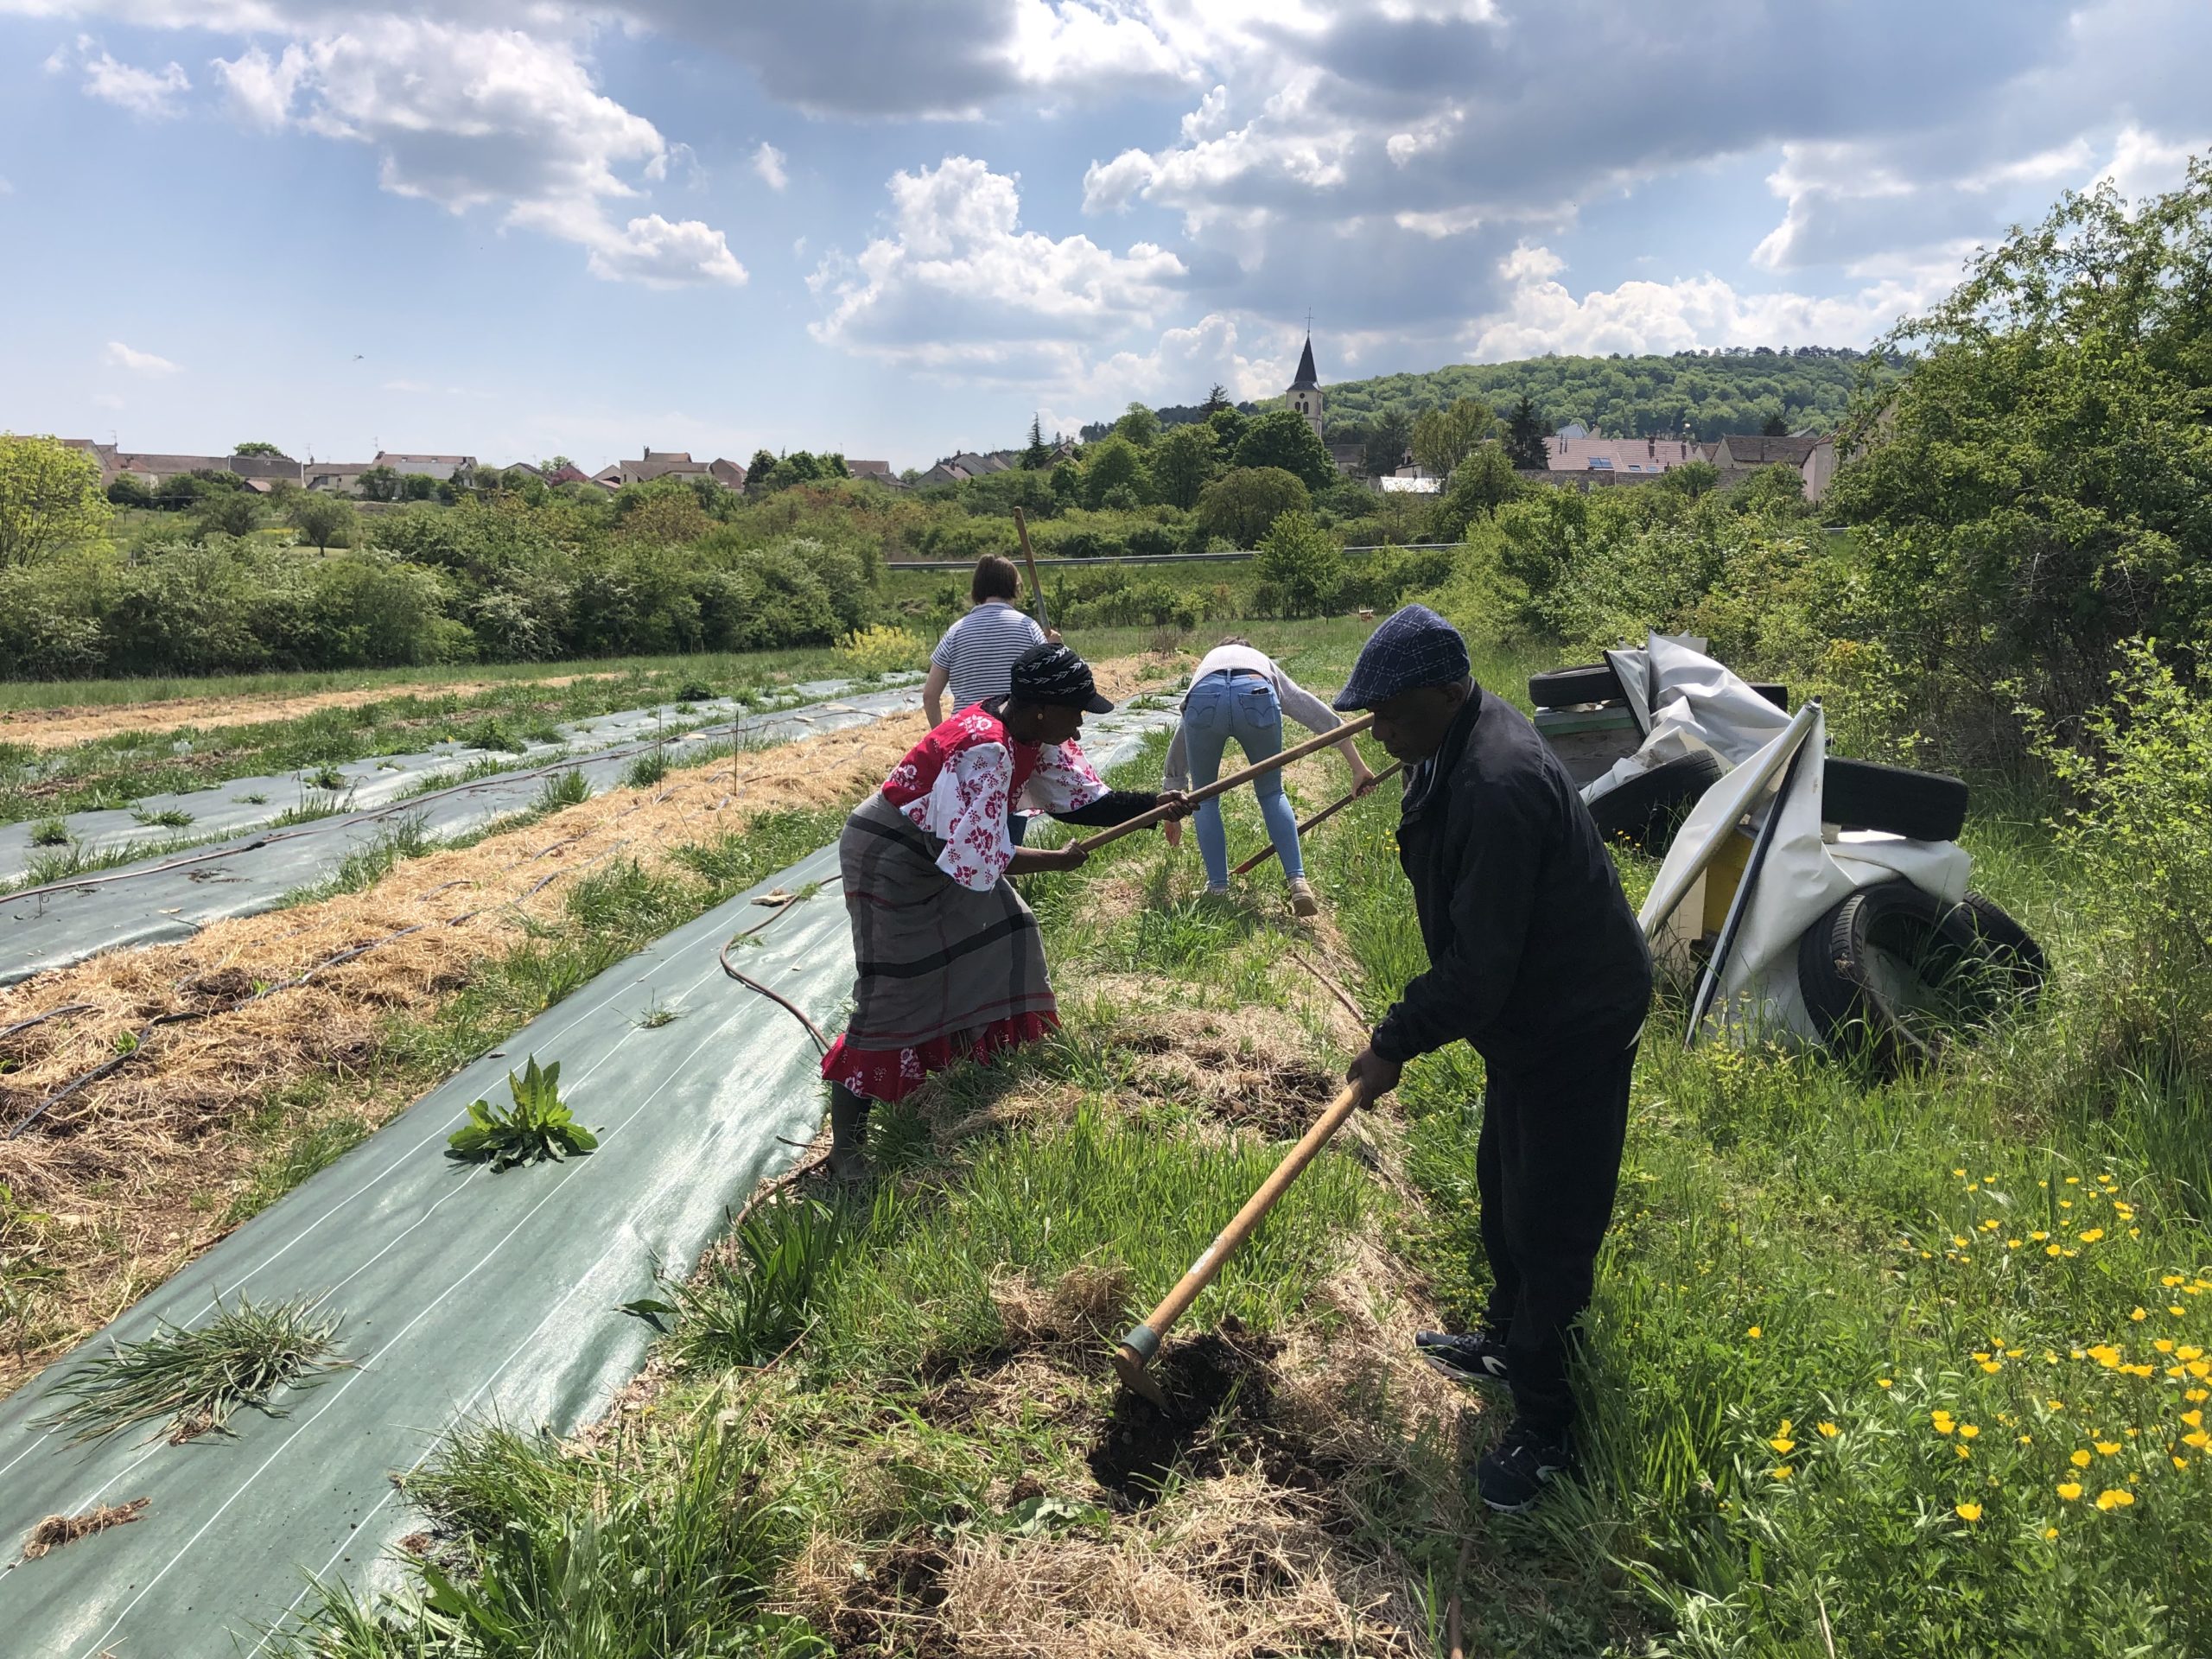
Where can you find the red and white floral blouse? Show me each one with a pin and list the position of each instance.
(955, 785)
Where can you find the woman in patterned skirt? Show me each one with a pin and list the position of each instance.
(949, 961)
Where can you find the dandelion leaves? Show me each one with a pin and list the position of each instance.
(538, 1126)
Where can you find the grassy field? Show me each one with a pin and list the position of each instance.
(1914, 1367)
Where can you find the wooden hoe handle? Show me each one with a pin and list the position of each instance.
(1138, 1347)
(1272, 763)
(1322, 816)
(1036, 588)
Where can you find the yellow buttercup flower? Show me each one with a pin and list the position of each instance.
(1828, 1431)
(2091, 1235)
(1754, 1333)
(2193, 1418)
(1993, 1366)
(1783, 1444)
(2080, 1459)
(2106, 1448)
(1969, 1511)
(2198, 1439)
(2050, 1532)
(1968, 1431)
(1783, 1473)
(2139, 1316)
(2069, 1490)
(2115, 1497)
(1882, 1383)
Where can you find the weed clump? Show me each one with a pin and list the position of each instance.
(198, 1378)
(537, 1127)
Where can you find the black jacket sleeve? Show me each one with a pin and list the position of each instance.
(1499, 867)
(1116, 806)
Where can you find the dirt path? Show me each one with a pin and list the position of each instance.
(57, 728)
(136, 1170)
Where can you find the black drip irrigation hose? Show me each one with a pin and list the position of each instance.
(750, 983)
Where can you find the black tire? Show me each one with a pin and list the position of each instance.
(2009, 950)
(1866, 795)
(1893, 971)
(1647, 810)
(1775, 694)
(1563, 688)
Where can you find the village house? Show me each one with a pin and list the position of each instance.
(1738, 456)
(1621, 457)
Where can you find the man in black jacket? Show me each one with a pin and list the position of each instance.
(1536, 962)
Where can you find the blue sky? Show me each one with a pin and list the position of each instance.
(514, 228)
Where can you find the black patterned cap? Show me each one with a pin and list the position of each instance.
(1413, 648)
(1054, 674)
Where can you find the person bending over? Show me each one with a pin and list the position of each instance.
(1242, 693)
(950, 964)
(1536, 962)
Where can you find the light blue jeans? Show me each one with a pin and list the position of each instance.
(1244, 707)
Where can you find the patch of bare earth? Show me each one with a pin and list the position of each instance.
(136, 1168)
(1241, 1523)
(57, 728)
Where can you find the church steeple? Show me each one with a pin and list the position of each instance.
(1305, 393)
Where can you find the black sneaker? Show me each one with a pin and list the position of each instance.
(1512, 1473)
(1478, 1356)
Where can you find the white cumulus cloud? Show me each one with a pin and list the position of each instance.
(956, 285)
(151, 92)
(1542, 314)
(771, 164)
(120, 356)
(471, 117)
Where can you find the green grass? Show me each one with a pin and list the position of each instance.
(1797, 1248)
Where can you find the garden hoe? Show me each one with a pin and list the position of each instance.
(1141, 1346)
(1221, 786)
(1322, 816)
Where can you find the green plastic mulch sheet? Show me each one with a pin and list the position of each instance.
(466, 1296)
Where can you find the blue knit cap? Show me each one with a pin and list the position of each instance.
(1413, 648)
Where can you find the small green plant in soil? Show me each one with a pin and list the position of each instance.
(256, 799)
(657, 1013)
(538, 1125)
(646, 770)
(325, 778)
(199, 1379)
(49, 832)
(169, 817)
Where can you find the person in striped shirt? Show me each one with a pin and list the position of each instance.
(976, 658)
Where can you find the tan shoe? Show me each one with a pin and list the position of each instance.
(1302, 901)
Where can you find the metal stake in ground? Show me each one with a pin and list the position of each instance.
(1142, 1345)
(1036, 588)
(1322, 816)
(1274, 763)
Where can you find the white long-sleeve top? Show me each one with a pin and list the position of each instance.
(1297, 702)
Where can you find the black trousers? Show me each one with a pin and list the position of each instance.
(1546, 1168)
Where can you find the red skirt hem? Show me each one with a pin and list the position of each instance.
(891, 1074)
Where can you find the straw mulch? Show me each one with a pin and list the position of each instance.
(136, 1170)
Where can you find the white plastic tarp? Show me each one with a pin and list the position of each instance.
(1686, 701)
(1805, 875)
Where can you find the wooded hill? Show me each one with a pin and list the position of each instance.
(1710, 392)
